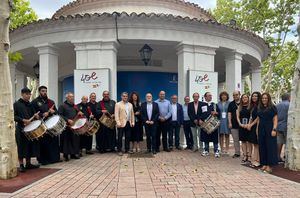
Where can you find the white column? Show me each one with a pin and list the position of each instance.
(233, 63)
(243, 84)
(96, 55)
(256, 79)
(48, 60)
(19, 83)
(194, 57)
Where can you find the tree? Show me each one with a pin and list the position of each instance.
(293, 135)
(8, 148)
(273, 20)
(20, 15)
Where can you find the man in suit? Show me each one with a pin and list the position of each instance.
(176, 122)
(124, 116)
(150, 114)
(194, 114)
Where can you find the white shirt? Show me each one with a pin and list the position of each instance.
(149, 110)
(127, 111)
(174, 112)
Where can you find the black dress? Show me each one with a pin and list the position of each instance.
(26, 148)
(137, 131)
(267, 143)
(252, 137)
(69, 141)
(49, 145)
(244, 119)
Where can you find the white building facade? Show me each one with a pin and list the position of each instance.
(95, 34)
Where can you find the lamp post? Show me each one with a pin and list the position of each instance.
(146, 53)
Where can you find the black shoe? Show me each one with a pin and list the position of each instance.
(149, 151)
(280, 161)
(89, 152)
(178, 148)
(171, 148)
(22, 168)
(154, 152)
(167, 150)
(74, 157)
(32, 166)
(66, 157)
(157, 150)
(80, 154)
(236, 156)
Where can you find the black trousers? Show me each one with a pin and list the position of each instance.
(86, 142)
(174, 129)
(151, 136)
(121, 131)
(188, 134)
(162, 129)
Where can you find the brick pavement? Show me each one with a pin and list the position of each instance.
(175, 174)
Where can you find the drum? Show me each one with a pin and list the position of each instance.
(93, 127)
(35, 130)
(107, 120)
(55, 125)
(81, 126)
(210, 124)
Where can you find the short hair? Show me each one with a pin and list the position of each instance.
(42, 87)
(285, 96)
(196, 93)
(68, 93)
(186, 97)
(124, 93)
(93, 93)
(105, 91)
(25, 90)
(224, 93)
(174, 95)
(206, 93)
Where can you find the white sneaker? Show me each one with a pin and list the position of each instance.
(205, 153)
(217, 154)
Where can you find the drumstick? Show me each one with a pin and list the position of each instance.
(37, 113)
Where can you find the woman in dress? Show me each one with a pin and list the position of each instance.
(267, 133)
(223, 129)
(137, 131)
(255, 97)
(243, 118)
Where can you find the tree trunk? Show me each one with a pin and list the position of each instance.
(8, 148)
(293, 137)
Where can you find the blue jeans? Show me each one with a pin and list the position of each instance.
(216, 146)
(174, 128)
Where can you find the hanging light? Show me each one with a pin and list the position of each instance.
(146, 53)
(36, 69)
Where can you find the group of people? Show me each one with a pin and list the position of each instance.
(253, 121)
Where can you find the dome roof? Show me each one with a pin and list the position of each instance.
(174, 7)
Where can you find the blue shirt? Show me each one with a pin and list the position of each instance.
(185, 112)
(165, 109)
(149, 110)
(282, 109)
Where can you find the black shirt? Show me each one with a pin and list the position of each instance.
(43, 105)
(233, 106)
(85, 109)
(67, 111)
(22, 110)
(94, 110)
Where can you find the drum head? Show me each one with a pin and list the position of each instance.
(32, 126)
(51, 122)
(79, 123)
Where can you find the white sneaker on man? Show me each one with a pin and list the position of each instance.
(217, 154)
(205, 153)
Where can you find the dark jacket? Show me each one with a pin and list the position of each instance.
(43, 105)
(22, 110)
(68, 111)
(85, 109)
(155, 112)
(179, 113)
(209, 108)
(191, 112)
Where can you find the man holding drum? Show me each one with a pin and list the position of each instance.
(85, 140)
(69, 141)
(49, 145)
(24, 113)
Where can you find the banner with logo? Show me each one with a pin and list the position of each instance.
(87, 81)
(202, 82)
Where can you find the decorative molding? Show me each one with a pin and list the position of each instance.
(47, 48)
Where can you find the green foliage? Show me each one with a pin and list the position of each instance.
(20, 15)
(273, 20)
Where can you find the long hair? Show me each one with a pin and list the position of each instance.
(242, 103)
(131, 98)
(253, 104)
(270, 104)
